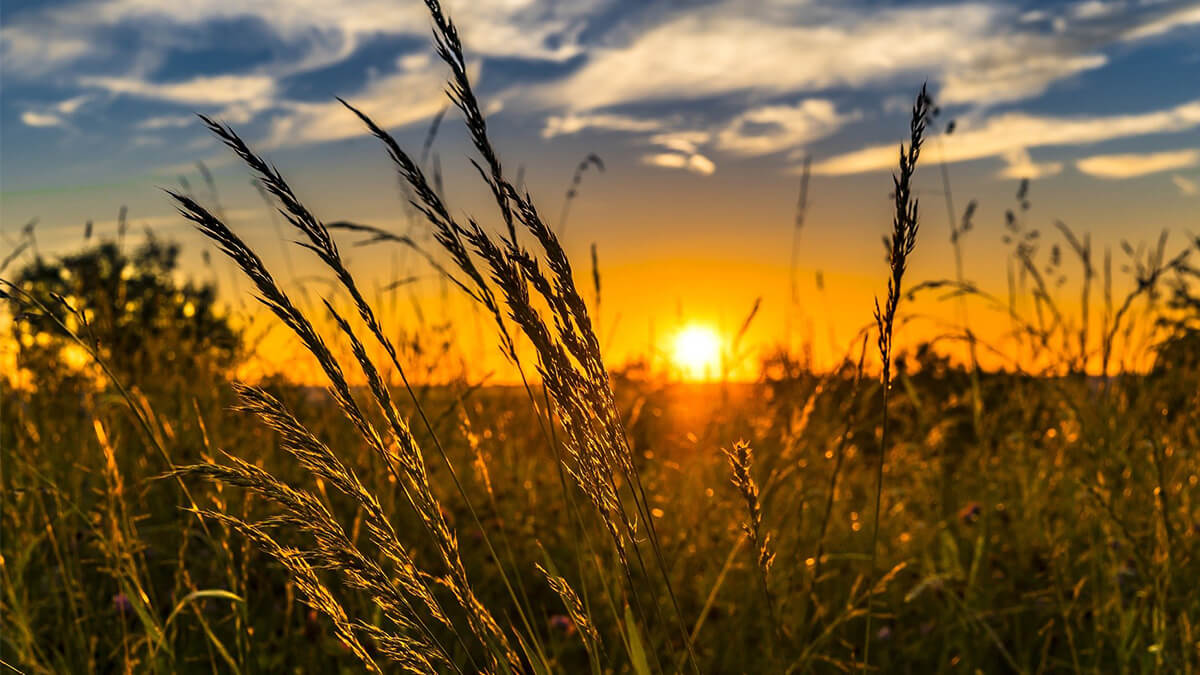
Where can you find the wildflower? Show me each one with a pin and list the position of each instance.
(121, 603)
(562, 623)
(970, 513)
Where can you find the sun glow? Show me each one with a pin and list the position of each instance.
(697, 352)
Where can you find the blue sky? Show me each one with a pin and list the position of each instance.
(703, 112)
(688, 86)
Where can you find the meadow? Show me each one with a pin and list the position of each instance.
(906, 511)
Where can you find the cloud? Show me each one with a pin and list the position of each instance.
(760, 58)
(33, 53)
(305, 34)
(977, 53)
(1020, 165)
(695, 162)
(1185, 16)
(774, 128)
(686, 142)
(71, 105)
(572, 123)
(392, 100)
(76, 45)
(1094, 9)
(761, 130)
(36, 119)
(1014, 78)
(167, 122)
(1187, 187)
(1133, 165)
(214, 90)
(724, 50)
(1007, 133)
(55, 114)
(758, 131)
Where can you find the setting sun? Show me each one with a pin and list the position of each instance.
(697, 352)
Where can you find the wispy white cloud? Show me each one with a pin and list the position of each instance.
(727, 49)
(775, 128)
(392, 100)
(976, 53)
(1137, 164)
(1187, 187)
(761, 57)
(1007, 133)
(55, 114)
(686, 142)
(313, 33)
(760, 130)
(1019, 164)
(215, 90)
(1014, 77)
(1094, 9)
(73, 44)
(72, 105)
(694, 162)
(1178, 18)
(166, 122)
(33, 118)
(572, 123)
(31, 53)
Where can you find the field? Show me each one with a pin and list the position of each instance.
(907, 511)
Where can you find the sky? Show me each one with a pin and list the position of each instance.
(703, 112)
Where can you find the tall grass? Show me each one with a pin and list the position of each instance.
(598, 456)
(903, 242)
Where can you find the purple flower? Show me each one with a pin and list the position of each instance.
(562, 623)
(970, 513)
(121, 602)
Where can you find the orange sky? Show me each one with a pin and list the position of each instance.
(703, 115)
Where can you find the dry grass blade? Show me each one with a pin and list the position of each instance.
(592, 159)
(569, 353)
(316, 594)
(379, 235)
(902, 243)
(332, 549)
(446, 230)
(740, 459)
(317, 458)
(408, 465)
(575, 610)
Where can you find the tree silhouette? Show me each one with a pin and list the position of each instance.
(129, 307)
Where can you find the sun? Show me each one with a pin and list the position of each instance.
(697, 352)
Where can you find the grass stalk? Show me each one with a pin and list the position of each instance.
(903, 241)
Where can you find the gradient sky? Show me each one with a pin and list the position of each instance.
(702, 113)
